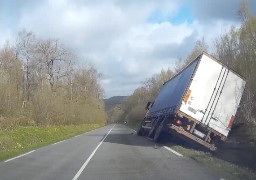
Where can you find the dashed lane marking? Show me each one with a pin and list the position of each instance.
(90, 157)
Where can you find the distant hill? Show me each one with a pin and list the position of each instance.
(113, 101)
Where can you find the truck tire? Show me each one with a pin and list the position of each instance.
(158, 132)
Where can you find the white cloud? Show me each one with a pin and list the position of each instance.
(106, 81)
(117, 37)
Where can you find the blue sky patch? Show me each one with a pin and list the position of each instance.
(182, 15)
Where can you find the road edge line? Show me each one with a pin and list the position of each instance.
(19, 156)
(58, 142)
(90, 157)
(174, 152)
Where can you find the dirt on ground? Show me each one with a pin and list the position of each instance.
(239, 148)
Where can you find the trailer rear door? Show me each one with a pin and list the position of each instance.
(213, 96)
(224, 113)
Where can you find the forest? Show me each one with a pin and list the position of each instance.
(43, 83)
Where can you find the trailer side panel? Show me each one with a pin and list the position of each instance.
(172, 91)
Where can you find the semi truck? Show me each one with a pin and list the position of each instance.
(199, 103)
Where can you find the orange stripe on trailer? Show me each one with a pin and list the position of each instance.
(187, 96)
(231, 121)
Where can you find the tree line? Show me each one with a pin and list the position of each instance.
(235, 48)
(42, 83)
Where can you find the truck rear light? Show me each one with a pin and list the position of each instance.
(231, 121)
(179, 122)
(209, 139)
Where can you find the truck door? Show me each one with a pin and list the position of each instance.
(203, 92)
(223, 114)
(213, 96)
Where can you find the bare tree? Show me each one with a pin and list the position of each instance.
(11, 74)
(43, 77)
(200, 47)
(236, 48)
(25, 51)
(244, 12)
(51, 54)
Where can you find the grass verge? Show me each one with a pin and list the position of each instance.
(223, 168)
(22, 139)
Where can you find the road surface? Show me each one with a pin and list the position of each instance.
(112, 152)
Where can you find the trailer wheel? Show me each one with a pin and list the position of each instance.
(158, 132)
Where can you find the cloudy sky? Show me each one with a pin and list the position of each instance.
(127, 40)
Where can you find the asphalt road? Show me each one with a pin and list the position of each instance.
(113, 152)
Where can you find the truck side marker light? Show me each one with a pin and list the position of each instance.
(231, 121)
(187, 96)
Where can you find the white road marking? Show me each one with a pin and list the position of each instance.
(90, 157)
(175, 152)
(19, 156)
(58, 142)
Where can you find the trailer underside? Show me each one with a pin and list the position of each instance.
(180, 126)
(183, 132)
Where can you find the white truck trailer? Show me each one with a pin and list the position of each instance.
(198, 103)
